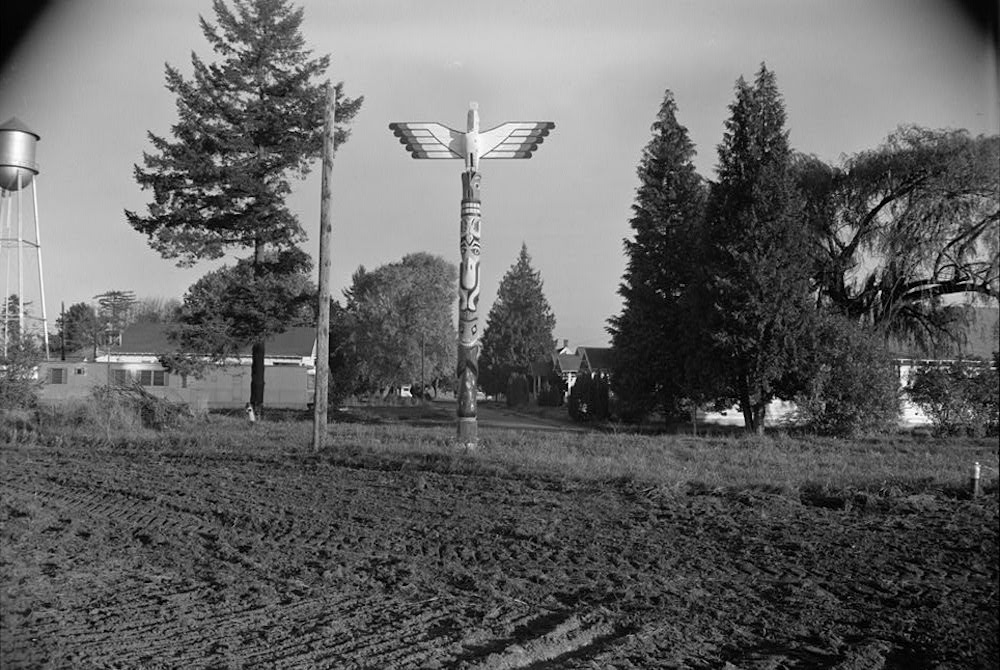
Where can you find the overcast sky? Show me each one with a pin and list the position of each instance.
(89, 78)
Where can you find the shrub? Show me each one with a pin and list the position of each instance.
(517, 390)
(19, 384)
(960, 398)
(129, 407)
(853, 386)
(553, 393)
(589, 399)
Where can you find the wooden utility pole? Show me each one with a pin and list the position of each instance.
(322, 385)
(514, 139)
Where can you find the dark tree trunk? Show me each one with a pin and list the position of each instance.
(745, 406)
(258, 351)
(748, 415)
(753, 412)
(758, 417)
(257, 377)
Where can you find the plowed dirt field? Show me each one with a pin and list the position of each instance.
(139, 557)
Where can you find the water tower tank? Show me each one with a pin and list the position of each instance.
(17, 154)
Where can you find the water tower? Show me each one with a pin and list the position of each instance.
(18, 172)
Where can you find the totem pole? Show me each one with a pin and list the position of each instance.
(516, 139)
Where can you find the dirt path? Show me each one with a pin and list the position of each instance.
(132, 557)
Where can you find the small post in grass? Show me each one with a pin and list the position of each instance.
(974, 481)
(514, 139)
(321, 387)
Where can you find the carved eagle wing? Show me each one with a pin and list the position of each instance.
(514, 139)
(430, 140)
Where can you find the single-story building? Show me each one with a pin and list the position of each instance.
(289, 371)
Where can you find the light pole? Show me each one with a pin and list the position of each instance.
(514, 139)
(108, 330)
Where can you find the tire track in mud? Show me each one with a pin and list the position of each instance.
(550, 637)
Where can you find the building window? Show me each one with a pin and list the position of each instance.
(120, 377)
(57, 375)
(152, 378)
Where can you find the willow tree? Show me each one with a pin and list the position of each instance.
(247, 123)
(906, 228)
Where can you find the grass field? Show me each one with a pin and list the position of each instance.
(778, 462)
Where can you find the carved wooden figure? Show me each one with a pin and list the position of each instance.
(514, 139)
(468, 309)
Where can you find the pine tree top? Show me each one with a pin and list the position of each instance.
(246, 124)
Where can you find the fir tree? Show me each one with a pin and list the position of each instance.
(756, 294)
(246, 124)
(662, 259)
(518, 328)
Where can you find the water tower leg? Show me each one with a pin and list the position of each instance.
(20, 262)
(41, 276)
(5, 242)
(4, 247)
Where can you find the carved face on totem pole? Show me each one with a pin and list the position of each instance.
(468, 281)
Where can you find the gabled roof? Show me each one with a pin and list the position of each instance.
(145, 338)
(151, 339)
(296, 342)
(567, 363)
(561, 349)
(595, 359)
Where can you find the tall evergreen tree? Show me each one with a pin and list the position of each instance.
(756, 294)
(246, 124)
(662, 260)
(519, 326)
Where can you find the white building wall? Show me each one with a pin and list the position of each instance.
(285, 386)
